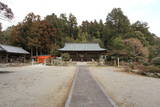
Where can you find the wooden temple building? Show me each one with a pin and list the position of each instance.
(9, 54)
(83, 51)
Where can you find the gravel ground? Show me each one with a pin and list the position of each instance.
(35, 86)
(128, 90)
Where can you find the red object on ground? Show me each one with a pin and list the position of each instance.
(41, 59)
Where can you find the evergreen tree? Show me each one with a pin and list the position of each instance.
(117, 24)
(72, 22)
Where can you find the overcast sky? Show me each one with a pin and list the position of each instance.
(143, 10)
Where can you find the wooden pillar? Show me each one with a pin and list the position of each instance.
(76, 56)
(31, 52)
(32, 61)
(118, 61)
(45, 62)
(24, 60)
(115, 62)
(6, 58)
(36, 51)
(0, 59)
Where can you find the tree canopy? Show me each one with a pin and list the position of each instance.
(116, 34)
(5, 12)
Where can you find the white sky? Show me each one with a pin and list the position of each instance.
(143, 10)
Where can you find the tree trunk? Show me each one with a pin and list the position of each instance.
(36, 51)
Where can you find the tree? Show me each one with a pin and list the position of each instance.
(156, 61)
(5, 36)
(43, 37)
(65, 57)
(21, 32)
(83, 37)
(117, 35)
(31, 17)
(61, 24)
(84, 26)
(5, 12)
(94, 29)
(118, 21)
(118, 43)
(143, 28)
(138, 35)
(117, 24)
(72, 22)
(137, 48)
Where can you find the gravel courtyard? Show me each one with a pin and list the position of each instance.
(128, 90)
(35, 86)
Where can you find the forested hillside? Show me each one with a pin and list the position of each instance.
(130, 41)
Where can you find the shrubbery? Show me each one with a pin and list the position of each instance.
(151, 71)
(65, 57)
(156, 61)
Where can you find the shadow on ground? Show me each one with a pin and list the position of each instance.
(5, 72)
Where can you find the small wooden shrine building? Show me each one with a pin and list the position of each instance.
(12, 54)
(83, 51)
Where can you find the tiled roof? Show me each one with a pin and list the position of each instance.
(12, 49)
(82, 47)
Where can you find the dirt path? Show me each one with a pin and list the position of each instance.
(35, 86)
(86, 92)
(128, 90)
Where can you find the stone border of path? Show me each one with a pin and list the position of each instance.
(71, 90)
(103, 89)
(99, 84)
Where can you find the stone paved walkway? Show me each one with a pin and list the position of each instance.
(86, 92)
